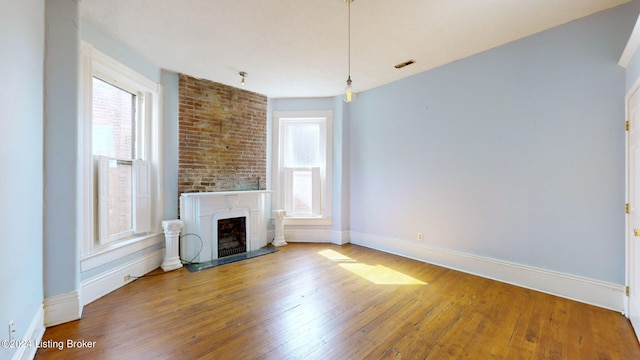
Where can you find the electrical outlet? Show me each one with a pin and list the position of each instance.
(420, 237)
(127, 278)
(12, 331)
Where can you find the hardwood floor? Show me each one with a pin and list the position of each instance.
(322, 301)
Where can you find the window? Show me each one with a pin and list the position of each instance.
(302, 170)
(120, 152)
(122, 175)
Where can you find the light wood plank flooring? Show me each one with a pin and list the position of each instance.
(321, 301)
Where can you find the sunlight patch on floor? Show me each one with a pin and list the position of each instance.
(381, 275)
(377, 274)
(334, 255)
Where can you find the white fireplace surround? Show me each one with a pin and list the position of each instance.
(200, 213)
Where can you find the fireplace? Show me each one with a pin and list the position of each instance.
(208, 217)
(232, 236)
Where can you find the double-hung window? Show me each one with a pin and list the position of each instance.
(302, 166)
(122, 173)
(120, 152)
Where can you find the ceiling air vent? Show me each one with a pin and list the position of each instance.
(401, 65)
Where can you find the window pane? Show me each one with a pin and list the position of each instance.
(120, 204)
(113, 119)
(302, 192)
(302, 144)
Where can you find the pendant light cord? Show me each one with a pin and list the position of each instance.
(349, 42)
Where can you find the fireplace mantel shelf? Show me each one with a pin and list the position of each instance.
(222, 193)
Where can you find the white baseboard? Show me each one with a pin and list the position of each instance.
(62, 308)
(302, 235)
(593, 292)
(340, 237)
(32, 336)
(100, 285)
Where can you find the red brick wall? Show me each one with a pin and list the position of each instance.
(222, 137)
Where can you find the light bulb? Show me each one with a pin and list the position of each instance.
(348, 95)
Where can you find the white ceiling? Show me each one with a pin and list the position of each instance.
(299, 49)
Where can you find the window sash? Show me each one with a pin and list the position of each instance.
(140, 199)
(293, 197)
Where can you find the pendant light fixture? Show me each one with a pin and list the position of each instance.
(244, 75)
(349, 95)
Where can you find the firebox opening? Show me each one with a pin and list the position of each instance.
(232, 236)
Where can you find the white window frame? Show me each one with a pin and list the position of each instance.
(279, 198)
(148, 148)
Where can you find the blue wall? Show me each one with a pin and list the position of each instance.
(21, 158)
(169, 81)
(515, 154)
(62, 111)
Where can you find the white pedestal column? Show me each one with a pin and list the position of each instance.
(172, 242)
(278, 217)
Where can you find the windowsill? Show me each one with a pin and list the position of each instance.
(306, 221)
(111, 252)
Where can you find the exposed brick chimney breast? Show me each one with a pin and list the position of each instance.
(222, 137)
